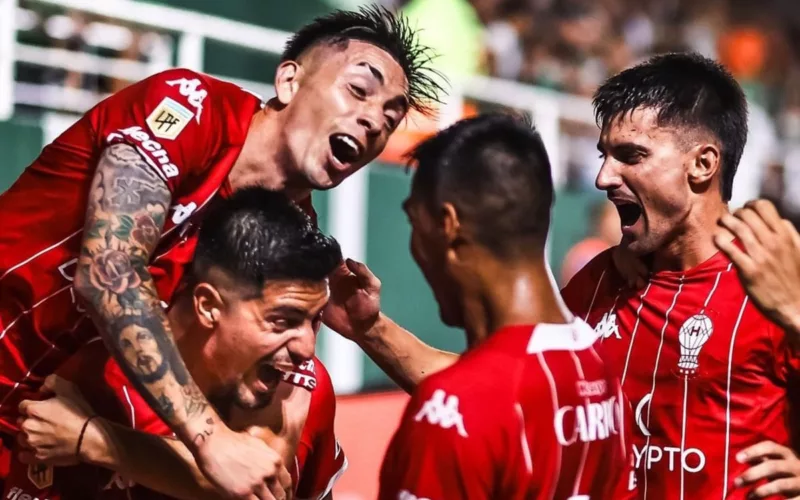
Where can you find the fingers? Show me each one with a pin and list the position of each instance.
(366, 279)
(762, 232)
(763, 450)
(767, 213)
(785, 487)
(744, 233)
(768, 469)
(743, 262)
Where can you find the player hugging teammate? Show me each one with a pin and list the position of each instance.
(209, 291)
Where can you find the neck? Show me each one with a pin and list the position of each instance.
(504, 294)
(261, 161)
(694, 243)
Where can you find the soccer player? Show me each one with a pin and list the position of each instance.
(532, 410)
(259, 273)
(126, 184)
(707, 374)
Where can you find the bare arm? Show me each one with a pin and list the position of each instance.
(161, 464)
(126, 212)
(401, 355)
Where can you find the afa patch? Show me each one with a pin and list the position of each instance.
(169, 119)
(40, 475)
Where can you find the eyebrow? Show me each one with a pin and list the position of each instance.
(288, 311)
(623, 146)
(375, 71)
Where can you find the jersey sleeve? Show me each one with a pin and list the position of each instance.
(167, 118)
(439, 452)
(324, 461)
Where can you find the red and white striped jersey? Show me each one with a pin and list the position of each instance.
(705, 372)
(188, 126)
(534, 412)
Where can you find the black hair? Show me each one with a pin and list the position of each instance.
(687, 90)
(380, 27)
(495, 171)
(256, 236)
(171, 358)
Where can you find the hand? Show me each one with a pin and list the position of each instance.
(242, 466)
(50, 429)
(355, 301)
(773, 463)
(630, 267)
(769, 266)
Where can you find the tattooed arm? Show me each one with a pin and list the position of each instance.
(126, 212)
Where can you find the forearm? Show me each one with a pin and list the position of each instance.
(126, 212)
(158, 463)
(401, 355)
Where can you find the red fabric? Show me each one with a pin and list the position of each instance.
(699, 399)
(43, 212)
(319, 459)
(533, 412)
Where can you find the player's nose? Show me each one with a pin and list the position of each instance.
(302, 346)
(608, 178)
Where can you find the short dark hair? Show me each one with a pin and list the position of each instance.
(495, 170)
(380, 27)
(687, 90)
(256, 236)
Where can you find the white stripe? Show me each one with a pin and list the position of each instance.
(713, 289)
(554, 395)
(526, 451)
(23, 313)
(585, 452)
(596, 288)
(683, 429)
(655, 371)
(130, 405)
(333, 480)
(633, 335)
(38, 254)
(728, 400)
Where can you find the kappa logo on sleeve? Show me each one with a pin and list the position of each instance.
(169, 119)
(191, 89)
(442, 410)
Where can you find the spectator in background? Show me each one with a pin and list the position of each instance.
(605, 233)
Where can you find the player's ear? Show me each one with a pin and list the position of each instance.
(208, 305)
(451, 225)
(287, 81)
(705, 165)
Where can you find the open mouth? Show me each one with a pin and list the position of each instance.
(269, 376)
(629, 213)
(345, 148)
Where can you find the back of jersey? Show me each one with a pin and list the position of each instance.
(574, 415)
(533, 412)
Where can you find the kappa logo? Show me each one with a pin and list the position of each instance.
(692, 336)
(608, 326)
(40, 475)
(191, 89)
(442, 410)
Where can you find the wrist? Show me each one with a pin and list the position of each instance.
(373, 331)
(94, 448)
(198, 433)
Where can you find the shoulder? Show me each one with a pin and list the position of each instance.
(582, 287)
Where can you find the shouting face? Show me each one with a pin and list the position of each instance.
(645, 173)
(341, 106)
(256, 340)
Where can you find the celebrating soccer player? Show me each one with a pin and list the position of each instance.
(126, 185)
(706, 372)
(251, 298)
(532, 411)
